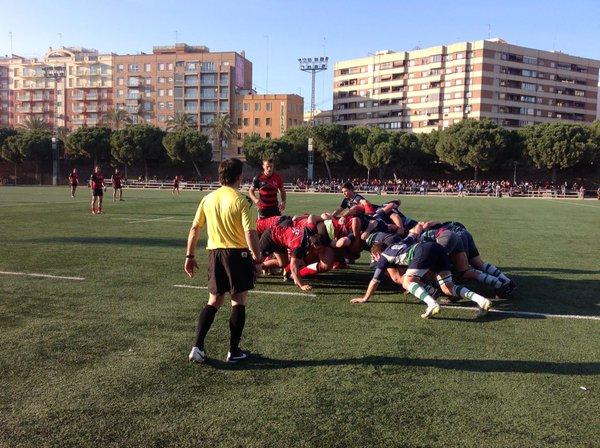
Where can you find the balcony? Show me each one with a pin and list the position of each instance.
(191, 110)
(224, 95)
(38, 110)
(134, 96)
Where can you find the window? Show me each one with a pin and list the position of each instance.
(119, 81)
(120, 93)
(147, 67)
(161, 80)
(120, 68)
(147, 81)
(245, 122)
(246, 107)
(257, 122)
(268, 108)
(529, 60)
(256, 107)
(134, 67)
(268, 121)
(161, 105)
(161, 92)
(528, 86)
(170, 66)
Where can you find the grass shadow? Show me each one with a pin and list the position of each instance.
(260, 362)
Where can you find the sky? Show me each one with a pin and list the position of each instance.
(275, 34)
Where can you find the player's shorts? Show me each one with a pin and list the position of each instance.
(468, 244)
(269, 212)
(74, 184)
(117, 187)
(268, 246)
(176, 185)
(98, 192)
(230, 270)
(450, 241)
(428, 257)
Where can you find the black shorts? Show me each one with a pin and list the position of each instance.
(468, 244)
(269, 212)
(119, 187)
(230, 270)
(98, 192)
(430, 256)
(268, 246)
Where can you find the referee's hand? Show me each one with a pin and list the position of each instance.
(189, 266)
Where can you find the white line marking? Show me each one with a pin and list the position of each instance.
(525, 313)
(281, 293)
(41, 275)
(149, 220)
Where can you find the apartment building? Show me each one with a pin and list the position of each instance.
(268, 115)
(4, 93)
(68, 87)
(433, 88)
(320, 117)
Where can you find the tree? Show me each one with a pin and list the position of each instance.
(223, 130)
(188, 146)
(8, 149)
(116, 118)
(297, 139)
(33, 123)
(5, 133)
(90, 143)
(180, 122)
(472, 143)
(331, 143)
(556, 145)
(34, 146)
(371, 147)
(138, 143)
(256, 149)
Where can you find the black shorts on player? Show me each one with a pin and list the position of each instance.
(269, 212)
(98, 192)
(230, 270)
(268, 246)
(429, 257)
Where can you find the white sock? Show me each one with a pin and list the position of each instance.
(487, 279)
(419, 292)
(493, 270)
(461, 291)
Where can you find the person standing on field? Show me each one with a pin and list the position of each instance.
(97, 186)
(73, 181)
(117, 184)
(268, 183)
(175, 186)
(233, 257)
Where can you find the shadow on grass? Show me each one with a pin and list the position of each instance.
(259, 362)
(115, 241)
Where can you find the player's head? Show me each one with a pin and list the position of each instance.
(377, 249)
(116, 170)
(74, 170)
(97, 169)
(348, 190)
(268, 166)
(230, 171)
(316, 241)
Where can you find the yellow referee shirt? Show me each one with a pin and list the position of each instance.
(227, 214)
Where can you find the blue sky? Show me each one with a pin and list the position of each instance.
(340, 29)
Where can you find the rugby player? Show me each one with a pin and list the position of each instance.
(419, 258)
(267, 185)
(117, 184)
(175, 188)
(73, 181)
(351, 199)
(97, 186)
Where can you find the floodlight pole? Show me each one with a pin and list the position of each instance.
(55, 73)
(312, 65)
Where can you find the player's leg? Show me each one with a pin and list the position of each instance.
(411, 281)
(477, 262)
(120, 193)
(114, 195)
(449, 288)
(100, 197)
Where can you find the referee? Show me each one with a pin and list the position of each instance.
(233, 254)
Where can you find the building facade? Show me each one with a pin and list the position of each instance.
(68, 87)
(268, 115)
(433, 88)
(320, 117)
(4, 92)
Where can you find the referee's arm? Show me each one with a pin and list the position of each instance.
(190, 264)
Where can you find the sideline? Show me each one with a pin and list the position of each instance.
(524, 313)
(31, 274)
(281, 293)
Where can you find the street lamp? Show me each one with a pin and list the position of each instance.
(312, 66)
(56, 73)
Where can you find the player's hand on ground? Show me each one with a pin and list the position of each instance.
(358, 300)
(306, 288)
(190, 266)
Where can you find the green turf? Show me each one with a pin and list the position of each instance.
(104, 362)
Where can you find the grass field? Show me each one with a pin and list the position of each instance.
(103, 361)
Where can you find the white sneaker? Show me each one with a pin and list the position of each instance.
(240, 355)
(432, 310)
(197, 355)
(484, 308)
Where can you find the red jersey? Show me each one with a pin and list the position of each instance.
(263, 224)
(339, 230)
(73, 179)
(116, 180)
(176, 182)
(97, 181)
(295, 239)
(267, 187)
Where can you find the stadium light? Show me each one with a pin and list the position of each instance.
(312, 66)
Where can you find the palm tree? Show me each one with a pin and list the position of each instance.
(116, 118)
(34, 124)
(180, 122)
(222, 130)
